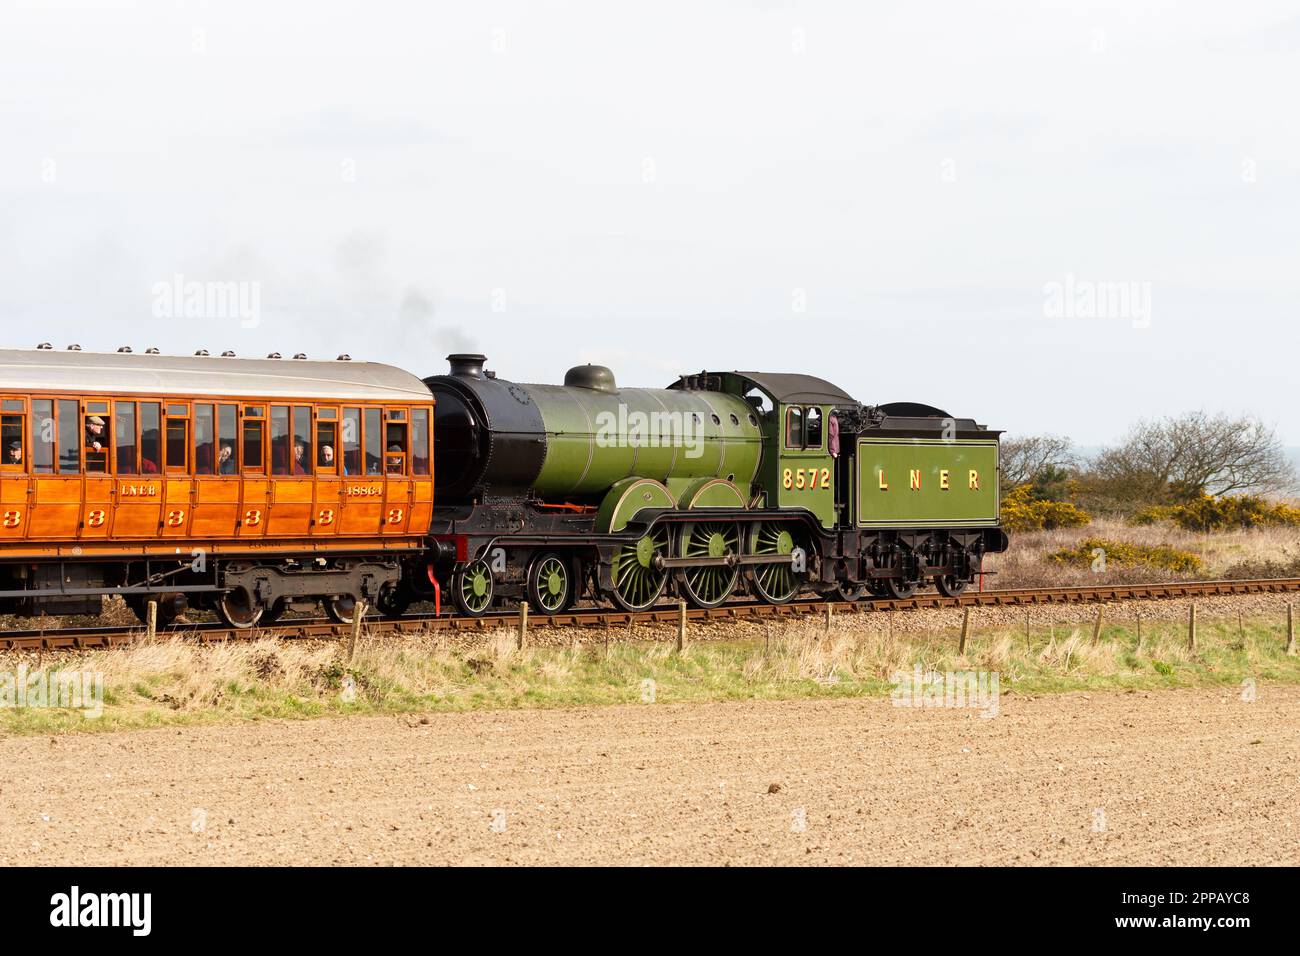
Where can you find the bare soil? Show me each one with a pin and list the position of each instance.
(1187, 777)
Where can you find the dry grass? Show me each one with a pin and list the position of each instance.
(172, 681)
(1262, 552)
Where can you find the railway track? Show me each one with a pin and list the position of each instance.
(98, 637)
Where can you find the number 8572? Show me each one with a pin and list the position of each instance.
(805, 479)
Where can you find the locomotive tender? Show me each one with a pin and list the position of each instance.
(249, 487)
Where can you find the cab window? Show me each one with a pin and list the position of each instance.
(794, 427)
(812, 437)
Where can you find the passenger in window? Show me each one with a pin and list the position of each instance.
(299, 449)
(15, 456)
(226, 460)
(395, 460)
(327, 457)
(96, 438)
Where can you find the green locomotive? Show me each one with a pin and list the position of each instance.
(721, 484)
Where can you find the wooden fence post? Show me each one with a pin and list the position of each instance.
(152, 623)
(1191, 628)
(1096, 628)
(358, 613)
(523, 625)
(830, 609)
(681, 626)
(965, 629)
(1139, 627)
(1290, 630)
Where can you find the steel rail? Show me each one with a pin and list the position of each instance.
(315, 628)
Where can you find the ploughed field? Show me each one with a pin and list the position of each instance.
(1193, 776)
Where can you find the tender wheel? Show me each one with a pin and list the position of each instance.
(550, 584)
(472, 588)
(709, 586)
(898, 589)
(950, 585)
(340, 608)
(637, 582)
(775, 583)
(237, 608)
(849, 592)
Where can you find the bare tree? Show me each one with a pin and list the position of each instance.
(1032, 457)
(1179, 459)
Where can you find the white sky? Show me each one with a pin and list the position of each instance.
(656, 185)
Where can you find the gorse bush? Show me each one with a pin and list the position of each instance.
(1021, 511)
(1221, 514)
(1124, 554)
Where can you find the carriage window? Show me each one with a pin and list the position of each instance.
(280, 452)
(395, 450)
(69, 439)
(95, 428)
(302, 443)
(42, 426)
(794, 427)
(124, 430)
(813, 428)
(374, 442)
(205, 440)
(150, 437)
(420, 441)
(253, 431)
(326, 445)
(227, 463)
(11, 440)
(351, 441)
(178, 442)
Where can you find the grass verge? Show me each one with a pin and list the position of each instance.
(172, 682)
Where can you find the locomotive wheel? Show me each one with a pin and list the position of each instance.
(637, 582)
(340, 608)
(550, 584)
(950, 585)
(709, 586)
(237, 608)
(471, 589)
(898, 589)
(775, 583)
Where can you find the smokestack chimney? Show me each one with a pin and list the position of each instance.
(468, 364)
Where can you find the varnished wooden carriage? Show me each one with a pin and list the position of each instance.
(247, 486)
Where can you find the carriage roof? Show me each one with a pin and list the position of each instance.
(141, 373)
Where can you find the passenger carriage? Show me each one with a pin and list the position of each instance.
(246, 486)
